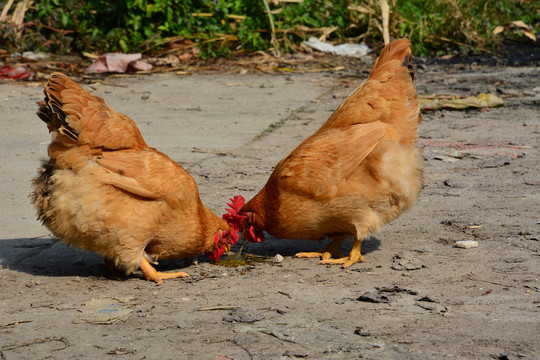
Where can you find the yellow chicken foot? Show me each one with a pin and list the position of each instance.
(331, 250)
(354, 256)
(152, 274)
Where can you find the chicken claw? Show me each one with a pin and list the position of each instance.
(157, 276)
(354, 256)
(331, 250)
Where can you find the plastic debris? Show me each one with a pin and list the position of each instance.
(118, 63)
(17, 72)
(105, 311)
(351, 50)
(36, 55)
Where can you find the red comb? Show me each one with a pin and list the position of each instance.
(233, 217)
(236, 204)
(236, 220)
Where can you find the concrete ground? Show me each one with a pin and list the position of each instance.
(415, 297)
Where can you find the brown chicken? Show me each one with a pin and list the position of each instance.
(359, 171)
(105, 190)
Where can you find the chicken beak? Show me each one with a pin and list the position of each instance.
(227, 248)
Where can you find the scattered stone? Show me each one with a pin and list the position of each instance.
(358, 331)
(240, 316)
(373, 298)
(447, 159)
(222, 357)
(426, 299)
(296, 354)
(466, 244)
(401, 262)
(277, 259)
(432, 307)
(495, 162)
(510, 92)
(454, 184)
(396, 289)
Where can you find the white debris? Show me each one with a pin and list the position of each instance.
(352, 50)
(466, 244)
(277, 259)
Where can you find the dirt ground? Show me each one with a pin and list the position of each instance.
(416, 296)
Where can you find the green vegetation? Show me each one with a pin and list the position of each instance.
(223, 26)
(439, 27)
(270, 129)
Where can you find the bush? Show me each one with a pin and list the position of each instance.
(221, 26)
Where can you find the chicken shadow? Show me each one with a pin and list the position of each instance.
(47, 256)
(286, 247)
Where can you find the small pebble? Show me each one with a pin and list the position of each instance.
(277, 259)
(466, 244)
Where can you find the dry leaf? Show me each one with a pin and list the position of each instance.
(444, 102)
(518, 24)
(499, 29)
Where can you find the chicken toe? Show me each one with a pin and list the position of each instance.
(332, 250)
(354, 256)
(152, 274)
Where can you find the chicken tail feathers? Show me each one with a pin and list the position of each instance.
(51, 112)
(84, 118)
(396, 50)
(388, 96)
(394, 71)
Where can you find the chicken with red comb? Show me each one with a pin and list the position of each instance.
(103, 189)
(359, 171)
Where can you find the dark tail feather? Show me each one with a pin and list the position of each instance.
(50, 110)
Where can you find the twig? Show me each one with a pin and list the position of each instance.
(38, 341)
(208, 151)
(13, 324)
(272, 28)
(285, 293)
(33, 23)
(3, 16)
(18, 15)
(217, 308)
(385, 10)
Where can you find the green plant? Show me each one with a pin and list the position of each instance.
(439, 27)
(222, 26)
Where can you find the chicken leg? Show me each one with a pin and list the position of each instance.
(152, 274)
(355, 255)
(329, 251)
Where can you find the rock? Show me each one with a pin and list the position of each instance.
(241, 316)
(277, 259)
(373, 298)
(466, 244)
(405, 262)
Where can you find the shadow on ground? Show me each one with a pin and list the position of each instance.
(50, 257)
